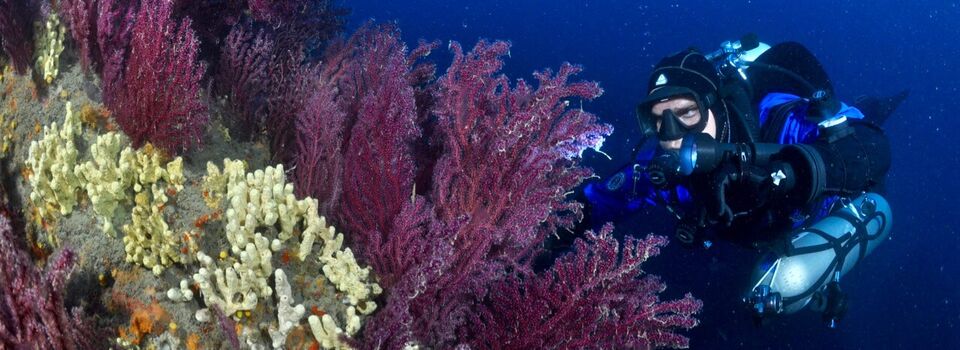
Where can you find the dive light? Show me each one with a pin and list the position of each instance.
(700, 153)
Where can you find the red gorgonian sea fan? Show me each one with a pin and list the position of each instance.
(305, 25)
(156, 98)
(448, 189)
(80, 17)
(596, 297)
(99, 29)
(242, 79)
(33, 314)
(16, 31)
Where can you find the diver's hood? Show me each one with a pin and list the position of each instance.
(687, 73)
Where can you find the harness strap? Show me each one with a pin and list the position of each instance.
(775, 122)
(841, 245)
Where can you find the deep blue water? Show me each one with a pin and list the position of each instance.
(907, 293)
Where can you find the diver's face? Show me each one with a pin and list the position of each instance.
(687, 111)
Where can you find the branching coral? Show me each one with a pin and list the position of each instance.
(263, 201)
(232, 289)
(148, 240)
(342, 269)
(108, 176)
(288, 314)
(49, 46)
(212, 20)
(317, 170)
(114, 27)
(382, 117)
(446, 187)
(292, 82)
(329, 334)
(52, 158)
(245, 40)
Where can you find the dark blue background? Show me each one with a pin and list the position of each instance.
(907, 293)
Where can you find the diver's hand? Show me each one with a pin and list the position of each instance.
(755, 182)
(664, 169)
(723, 177)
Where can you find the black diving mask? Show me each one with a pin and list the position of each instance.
(671, 125)
(672, 128)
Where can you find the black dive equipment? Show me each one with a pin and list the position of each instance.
(733, 56)
(700, 153)
(664, 169)
(671, 128)
(805, 269)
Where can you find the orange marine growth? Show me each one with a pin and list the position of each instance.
(26, 172)
(193, 341)
(317, 311)
(202, 220)
(141, 324)
(93, 116)
(39, 252)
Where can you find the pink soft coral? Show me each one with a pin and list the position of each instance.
(156, 96)
(32, 310)
(594, 298)
(448, 188)
(16, 31)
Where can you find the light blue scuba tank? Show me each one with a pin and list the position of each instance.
(786, 280)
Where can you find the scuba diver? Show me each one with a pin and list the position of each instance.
(750, 144)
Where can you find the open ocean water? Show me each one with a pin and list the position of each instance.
(906, 295)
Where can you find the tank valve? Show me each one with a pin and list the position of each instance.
(764, 303)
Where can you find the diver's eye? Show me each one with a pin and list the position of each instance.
(687, 114)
